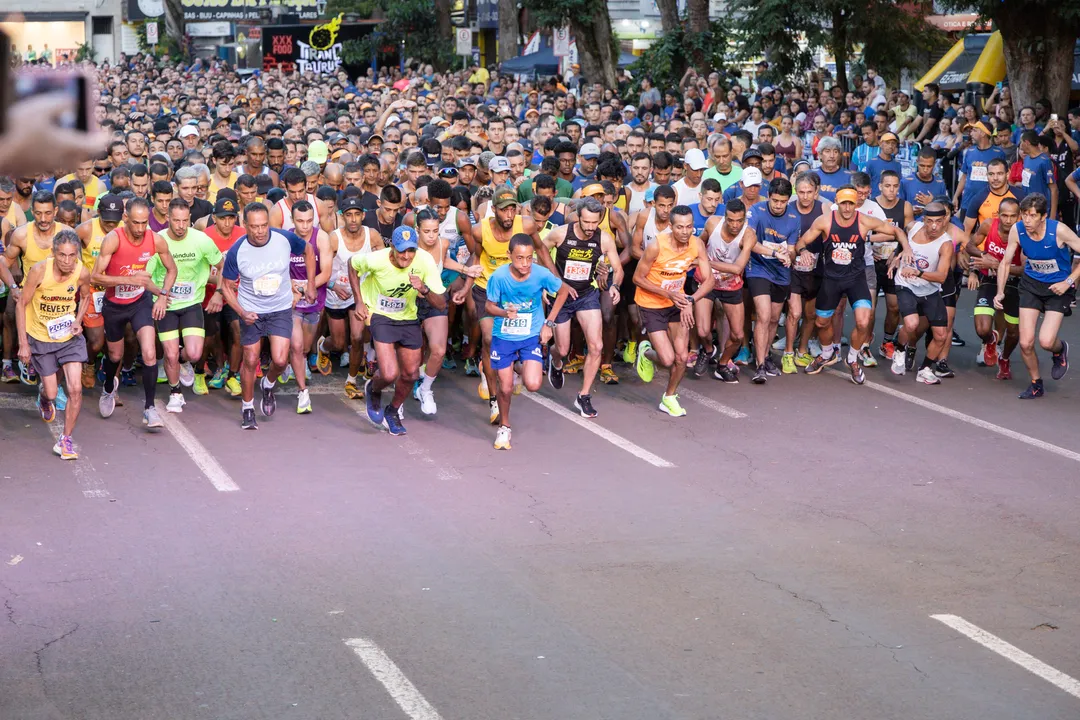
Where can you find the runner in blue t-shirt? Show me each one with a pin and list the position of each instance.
(885, 160)
(1039, 171)
(974, 163)
(515, 298)
(920, 188)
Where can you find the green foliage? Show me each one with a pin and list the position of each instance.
(411, 21)
(84, 53)
(166, 46)
(558, 13)
(362, 9)
(671, 54)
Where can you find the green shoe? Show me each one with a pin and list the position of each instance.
(803, 359)
(232, 385)
(644, 366)
(787, 364)
(218, 381)
(629, 353)
(670, 405)
(199, 388)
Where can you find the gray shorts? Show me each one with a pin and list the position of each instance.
(275, 324)
(49, 357)
(871, 280)
(308, 317)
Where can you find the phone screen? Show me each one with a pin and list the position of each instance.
(73, 84)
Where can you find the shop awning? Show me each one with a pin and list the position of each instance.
(976, 58)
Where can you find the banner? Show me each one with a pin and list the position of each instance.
(307, 48)
(487, 14)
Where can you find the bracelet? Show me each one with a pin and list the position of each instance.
(331, 284)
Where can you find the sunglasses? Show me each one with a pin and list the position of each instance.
(101, 170)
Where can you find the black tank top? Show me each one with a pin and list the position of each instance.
(805, 221)
(844, 250)
(576, 259)
(895, 213)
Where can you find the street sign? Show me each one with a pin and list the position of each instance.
(464, 41)
(151, 33)
(560, 41)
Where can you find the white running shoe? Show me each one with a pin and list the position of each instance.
(176, 403)
(814, 347)
(427, 401)
(303, 402)
(107, 403)
(344, 359)
(152, 419)
(899, 360)
(187, 374)
(502, 438)
(927, 377)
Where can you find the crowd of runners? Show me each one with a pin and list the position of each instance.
(238, 234)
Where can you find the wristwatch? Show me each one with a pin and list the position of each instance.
(550, 324)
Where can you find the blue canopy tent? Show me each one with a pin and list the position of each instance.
(544, 62)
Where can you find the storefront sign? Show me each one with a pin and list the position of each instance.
(306, 48)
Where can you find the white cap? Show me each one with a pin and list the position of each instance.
(751, 176)
(589, 150)
(188, 130)
(718, 117)
(695, 159)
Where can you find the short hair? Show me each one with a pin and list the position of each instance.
(812, 177)
(735, 206)
(543, 181)
(539, 203)
(7, 185)
(439, 190)
(254, 208)
(178, 204)
(302, 206)
(610, 168)
(860, 180)
(65, 237)
(711, 185)
(681, 210)
(325, 192)
(64, 188)
(829, 143)
(889, 174)
(1010, 200)
(780, 186)
(43, 197)
(520, 240)
(592, 205)
(664, 192)
(186, 173)
(161, 187)
(136, 202)
(293, 176)
(390, 194)
(662, 160)
(247, 180)
(1035, 201)
(929, 152)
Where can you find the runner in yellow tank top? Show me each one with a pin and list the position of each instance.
(49, 321)
(667, 313)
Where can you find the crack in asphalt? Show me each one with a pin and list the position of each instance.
(837, 516)
(9, 609)
(828, 616)
(533, 504)
(39, 654)
(1038, 562)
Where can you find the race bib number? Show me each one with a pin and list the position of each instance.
(727, 281)
(1026, 177)
(978, 173)
(462, 255)
(806, 262)
(577, 270)
(775, 247)
(675, 285)
(1044, 267)
(387, 305)
(183, 290)
(883, 251)
(128, 292)
(519, 326)
(60, 328)
(841, 256)
(99, 301)
(267, 285)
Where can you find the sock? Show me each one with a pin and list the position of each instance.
(247, 404)
(268, 383)
(149, 384)
(370, 353)
(927, 362)
(426, 381)
(352, 379)
(852, 354)
(109, 368)
(827, 351)
(175, 390)
(7, 363)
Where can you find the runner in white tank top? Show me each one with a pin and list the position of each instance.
(726, 252)
(649, 232)
(339, 273)
(286, 212)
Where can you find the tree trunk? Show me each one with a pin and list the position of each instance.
(840, 49)
(442, 15)
(669, 14)
(596, 46)
(1038, 51)
(509, 31)
(174, 21)
(697, 14)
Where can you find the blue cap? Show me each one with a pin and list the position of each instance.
(650, 194)
(404, 238)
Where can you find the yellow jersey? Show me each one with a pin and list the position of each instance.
(50, 315)
(33, 254)
(493, 253)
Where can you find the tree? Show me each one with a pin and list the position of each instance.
(1039, 38)
(408, 22)
(669, 14)
(590, 23)
(509, 31)
(790, 32)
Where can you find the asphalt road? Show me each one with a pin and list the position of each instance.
(778, 553)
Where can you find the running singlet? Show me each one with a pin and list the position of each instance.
(525, 295)
(843, 249)
(90, 254)
(925, 257)
(493, 253)
(895, 216)
(217, 184)
(34, 253)
(298, 272)
(51, 314)
(1046, 262)
(194, 256)
(649, 232)
(720, 250)
(808, 261)
(339, 271)
(286, 213)
(129, 259)
(668, 271)
(387, 291)
(994, 246)
(576, 259)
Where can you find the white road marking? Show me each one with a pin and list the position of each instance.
(1011, 652)
(198, 453)
(711, 404)
(389, 674)
(92, 484)
(969, 419)
(15, 560)
(617, 440)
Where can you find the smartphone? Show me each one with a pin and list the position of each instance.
(1053, 117)
(73, 83)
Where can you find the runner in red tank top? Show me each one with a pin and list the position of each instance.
(987, 248)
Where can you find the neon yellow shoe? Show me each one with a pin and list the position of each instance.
(787, 364)
(353, 391)
(574, 365)
(644, 366)
(629, 353)
(803, 359)
(199, 386)
(232, 386)
(670, 405)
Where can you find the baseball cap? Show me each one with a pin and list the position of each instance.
(404, 238)
(504, 197)
(335, 138)
(499, 164)
(432, 151)
(111, 208)
(977, 124)
(751, 176)
(470, 160)
(589, 150)
(351, 203)
(885, 137)
(318, 151)
(189, 130)
(846, 195)
(695, 159)
(592, 190)
(224, 207)
(751, 153)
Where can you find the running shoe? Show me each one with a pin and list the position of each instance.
(583, 404)
(107, 403)
(482, 388)
(1004, 369)
(8, 374)
(942, 369)
(374, 405)
(449, 363)
(691, 359)
(247, 419)
(88, 378)
(61, 400)
(866, 356)
(472, 369)
(644, 366)
(322, 359)
(574, 365)
(502, 438)
(370, 368)
(886, 349)
(127, 378)
(232, 386)
(787, 364)
(352, 391)
(909, 358)
(701, 362)
(957, 341)
(427, 401)
(219, 378)
(519, 386)
(821, 362)
(727, 373)
(286, 375)
(493, 411)
(65, 448)
(152, 419)
(857, 376)
(303, 402)
(392, 421)
(1061, 362)
(27, 375)
(780, 344)
(803, 359)
(761, 376)
(814, 347)
(176, 403)
(1034, 390)
(162, 377)
(46, 407)
(770, 367)
(268, 403)
(344, 361)
(743, 357)
(899, 362)
(199, 387)
(990, 351)
(927, 377)
(312, 360)
(187, 374)
(670, 405)
(416, 390)
(608, 376)
(555, 376)
(629, 353)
